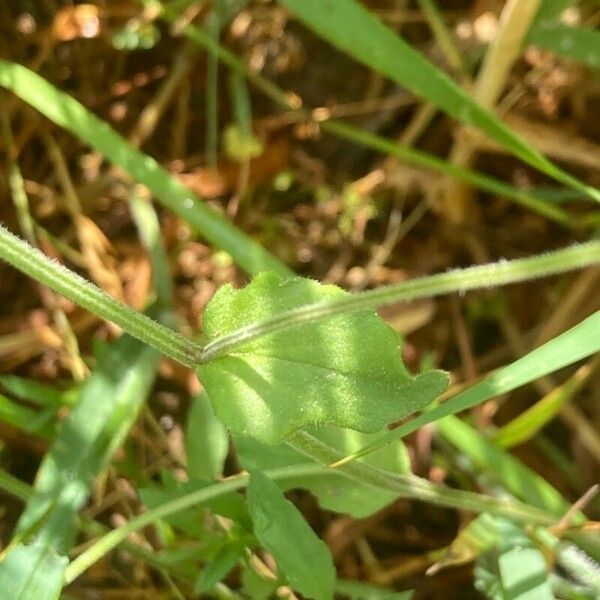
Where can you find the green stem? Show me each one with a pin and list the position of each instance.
(430, 161)
(113, 538)
(348, 132)
(459, 280)
(38, 266)
(408, 486)
(411, 486)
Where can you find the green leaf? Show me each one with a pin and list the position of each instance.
(580, 341)
(70, 114)
(514, 475)
(206, 441)
(577, 43)
(39, 423)
(108, 405)
(36, 392)
(282, 530)
(32, 572)
(255, 586)
(347, 25)
(231, 506)
(345, 370)
(519, 574)
(356, 590)
(224, 561)
(333, 490)
(511, 567)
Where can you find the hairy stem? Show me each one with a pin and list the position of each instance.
(40, 267)
(459, 280)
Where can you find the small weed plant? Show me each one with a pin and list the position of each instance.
(304, 381)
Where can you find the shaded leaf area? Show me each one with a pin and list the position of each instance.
(282, 530)
(206, 441)
(34, 571)
(107, 407)
(345, 370)
(333, 490)
(514, 568)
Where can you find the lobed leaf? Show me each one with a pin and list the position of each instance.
(345, 370)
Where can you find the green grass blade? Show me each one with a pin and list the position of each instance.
(551, 9)
(573, 345)
(526, 425)
(108, 405)
(357, 590)
(577, 43)
(516, 477)
(33, 572)
(70, 114)
(347, 25)
(36, 392)
(27, 419)
(148, 226)
(378, 143)
(479, 180)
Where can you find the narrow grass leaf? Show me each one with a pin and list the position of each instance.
(551, 9)
(36, 392)
(281, 529)
(39, 423)
(345, 370)
(224, 561)
(350, 27)
(206, 440)
(32, 572)
(573, 345)
(576, 43)
(108, 405)
(527, 424)
(70, 114)
(514, 476)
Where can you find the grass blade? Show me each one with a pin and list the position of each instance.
(516, 477)
(32, 572)
(577, 43)
(108, 405)
(573, 345)
(74, 117)
(350, 27)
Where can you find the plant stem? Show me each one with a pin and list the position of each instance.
(113, 538)
(459, 280)
(411, 486)
(408, 486)
(40, 267)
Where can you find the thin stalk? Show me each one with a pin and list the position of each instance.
(113, 538)
(429, 161)
(459, 280)
(408, 486)
(40, 267)
(411, 486)
(342, 130)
